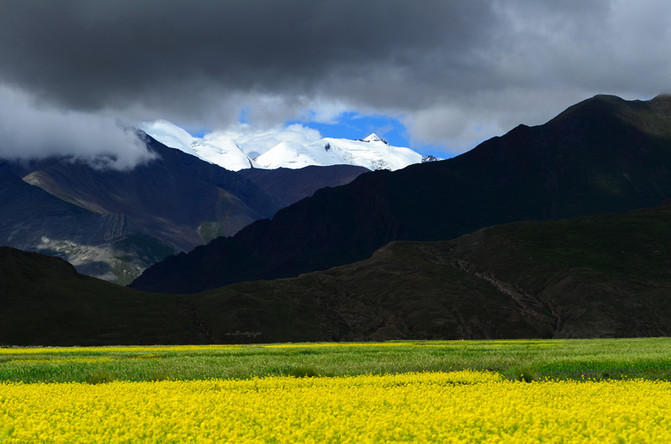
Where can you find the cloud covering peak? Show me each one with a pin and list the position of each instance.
(30, 130)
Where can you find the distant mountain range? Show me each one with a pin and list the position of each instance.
(371, 152)
(603, 155)
(113, 224)
(596, 276)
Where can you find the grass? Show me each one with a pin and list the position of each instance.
(527, 360)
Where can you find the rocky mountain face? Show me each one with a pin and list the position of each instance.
(32, 219)
(172, 197)
(602, 155)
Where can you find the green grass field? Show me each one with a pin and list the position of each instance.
(648, 358)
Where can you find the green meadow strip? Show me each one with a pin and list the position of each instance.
(648, 358)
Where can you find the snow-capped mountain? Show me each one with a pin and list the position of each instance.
(372, 153)
(221, 149)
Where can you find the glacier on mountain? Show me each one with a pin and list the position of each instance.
(294, 151)
(217, 150)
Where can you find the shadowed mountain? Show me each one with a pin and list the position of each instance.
(595, 276)
(602, 155)
(113, 224)
(171, 197)
(28, 213)
(291, 185)
(45, 301)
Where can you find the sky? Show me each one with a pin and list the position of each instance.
(438, 76)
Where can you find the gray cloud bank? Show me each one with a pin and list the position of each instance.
(28, 131)
(454, 72)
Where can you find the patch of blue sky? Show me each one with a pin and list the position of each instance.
(198, 132)
(352, 125)
(243, 115)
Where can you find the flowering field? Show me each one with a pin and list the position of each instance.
(520, 391)
(462, 406)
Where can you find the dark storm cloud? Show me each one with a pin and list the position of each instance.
(452, 70)
(90, 55)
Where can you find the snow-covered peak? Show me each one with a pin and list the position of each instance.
(374, 138)
(372, 154)
(291, 147)
(224, 153)
(169, 134)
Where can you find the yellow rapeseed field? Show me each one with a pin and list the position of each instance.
(462, 406)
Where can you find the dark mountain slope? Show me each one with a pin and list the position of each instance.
(602, 155)
(114, 224)
(596, 276)
(106, 245)
(46, 302)
(170, 197)
(29, 214)
(292, 185)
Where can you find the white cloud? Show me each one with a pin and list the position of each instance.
(33, 130)
(449, 127)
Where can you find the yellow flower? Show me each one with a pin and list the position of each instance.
(463, 406)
